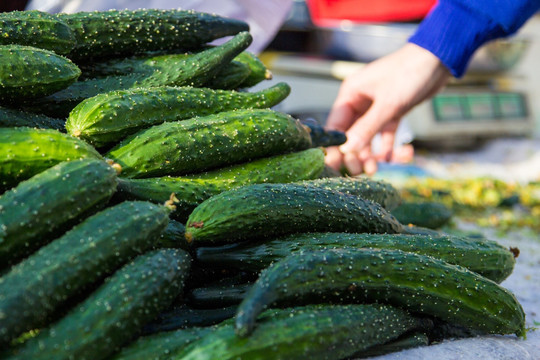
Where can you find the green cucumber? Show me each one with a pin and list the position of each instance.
(84, 255)
(32, 213)
(259, 71)
(125, 32)
(161, 346)
(111, 316)
(19, 118)
(213, 296)
(107, 118)
(29, 72)
(25, 152)
(36, 28)
(415, 282)
(269, 210)
(194, 70)
(309, 332)
(485, 257)
(191, 190)
(379, 191)
(203, 143)
(427, 214)
(173, 236)
(230, 77)
(184, 317)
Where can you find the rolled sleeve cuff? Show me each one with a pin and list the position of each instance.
(453, 33)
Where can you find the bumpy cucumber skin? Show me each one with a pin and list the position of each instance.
(191, 190)
(431, 215)
(25, 152)
(161, 346)
(87, 253)
(213, 296)
(28, 72)
(310, 332)
(194, 70)
(115, 312)
(270, 210)
(230, 77)
(370, 189)
(484, 257)
(32, 212)
(259, 71)
(125, 32)
(173, 236)
(203, 143)
(36, 28)
(19, 118)
(415, 282)
(107, 118)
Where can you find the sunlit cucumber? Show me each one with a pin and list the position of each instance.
(34, 211)
(107, 118)
(36, 28)
(204, 143)
(484, 257)
(124, 32)
(194, 70)
(261, 211)
(259, 71)
(310, 332)
(29, 72)
(115, 313)
(25, 152)
(379, 191)
(191, 190)
(42, 283)
(419, 283)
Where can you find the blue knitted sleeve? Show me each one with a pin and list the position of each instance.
(455, 29)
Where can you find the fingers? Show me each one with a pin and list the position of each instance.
(333, 158)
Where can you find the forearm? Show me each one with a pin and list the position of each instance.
(455, 29)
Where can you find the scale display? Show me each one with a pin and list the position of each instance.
(486, 106)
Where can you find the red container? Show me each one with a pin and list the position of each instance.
(330, 12)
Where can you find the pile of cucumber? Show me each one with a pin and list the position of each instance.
(154, 206)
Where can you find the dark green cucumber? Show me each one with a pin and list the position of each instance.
(213, 296)
(428, 214)
(323, 137)
(107, 118)
(163, 345)
(415, 282)
(28, 72)
(379, 191)
(115, 313)
(125, 32)
(484, 257)
(32, 213)
(87, 253)
(259, 71)
(406, 341)
(19, 118)
(194, 70)
(36, 28)
(230, 77)
(203, 143)
(311, 332)
(173, 236)
(184, 317)
(25, 152)
(191, 190)
(270, 210)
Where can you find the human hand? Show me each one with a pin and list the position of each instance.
(373, 100)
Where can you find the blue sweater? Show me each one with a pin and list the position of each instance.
(455, 29)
